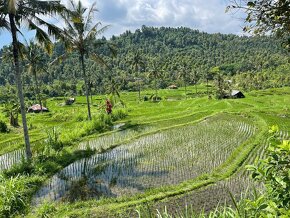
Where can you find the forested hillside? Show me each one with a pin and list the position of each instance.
(255, 62)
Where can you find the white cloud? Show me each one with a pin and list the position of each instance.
(205, 15)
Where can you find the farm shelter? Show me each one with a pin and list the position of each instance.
(172, 87)
(36, 109)
(237, 94)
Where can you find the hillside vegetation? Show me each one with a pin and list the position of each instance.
(252, 62)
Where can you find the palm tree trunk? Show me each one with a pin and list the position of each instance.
(156, 88)
(139, 90)
(185, 89)
(37, 90)
(91, 94)
(207, 87)
(19, 85)
(86, 85)
(139, 87)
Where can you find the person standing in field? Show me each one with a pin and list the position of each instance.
(108, 106)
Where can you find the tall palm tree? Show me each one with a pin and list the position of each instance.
(155, 73)
(137, 63)
(79, 33)
(184, 75)
(35, 63)
(15, 15)
(195, 77)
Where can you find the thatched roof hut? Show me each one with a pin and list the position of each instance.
(36, 109)
(172, 87)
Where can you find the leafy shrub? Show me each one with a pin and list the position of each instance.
(43, 168)
(25, 167)
(119, 114)
(274, 172)
(3, 127)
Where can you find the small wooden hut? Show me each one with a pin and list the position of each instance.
(36, 109)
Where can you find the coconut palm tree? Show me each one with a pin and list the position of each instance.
(137, 63)
(15, 15)
(195, 77)
(79, 33)
(184, 75)
(35, 64)
(155, 73)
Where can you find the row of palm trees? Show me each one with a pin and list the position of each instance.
(78, 33)
(186, 73)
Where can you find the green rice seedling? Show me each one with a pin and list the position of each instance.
(9, 159)
(164, 158)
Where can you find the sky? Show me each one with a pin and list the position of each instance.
(204, 15)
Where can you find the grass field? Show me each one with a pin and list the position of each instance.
(183, 150)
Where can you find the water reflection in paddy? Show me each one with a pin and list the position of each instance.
(163, 158)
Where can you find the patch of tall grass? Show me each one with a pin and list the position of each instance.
(14, 194)
(99, 123)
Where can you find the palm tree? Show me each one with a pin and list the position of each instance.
(195, 76)
(35, 63)
(79, 33)
(184, 75)
(155, 73)
(137, 63)
(15, 15)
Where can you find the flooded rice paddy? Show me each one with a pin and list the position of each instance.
(163, 158)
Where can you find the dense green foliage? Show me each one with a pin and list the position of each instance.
(3, 127)
(247, 60)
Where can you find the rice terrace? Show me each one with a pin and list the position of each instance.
(149, 122)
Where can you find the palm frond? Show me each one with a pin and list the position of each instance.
(93, 32)
(41, 36)
(59, 59)
(21, 48)
(90, 16)
(100, 60)
(51, 29)
(32, 7)
(4, 24)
